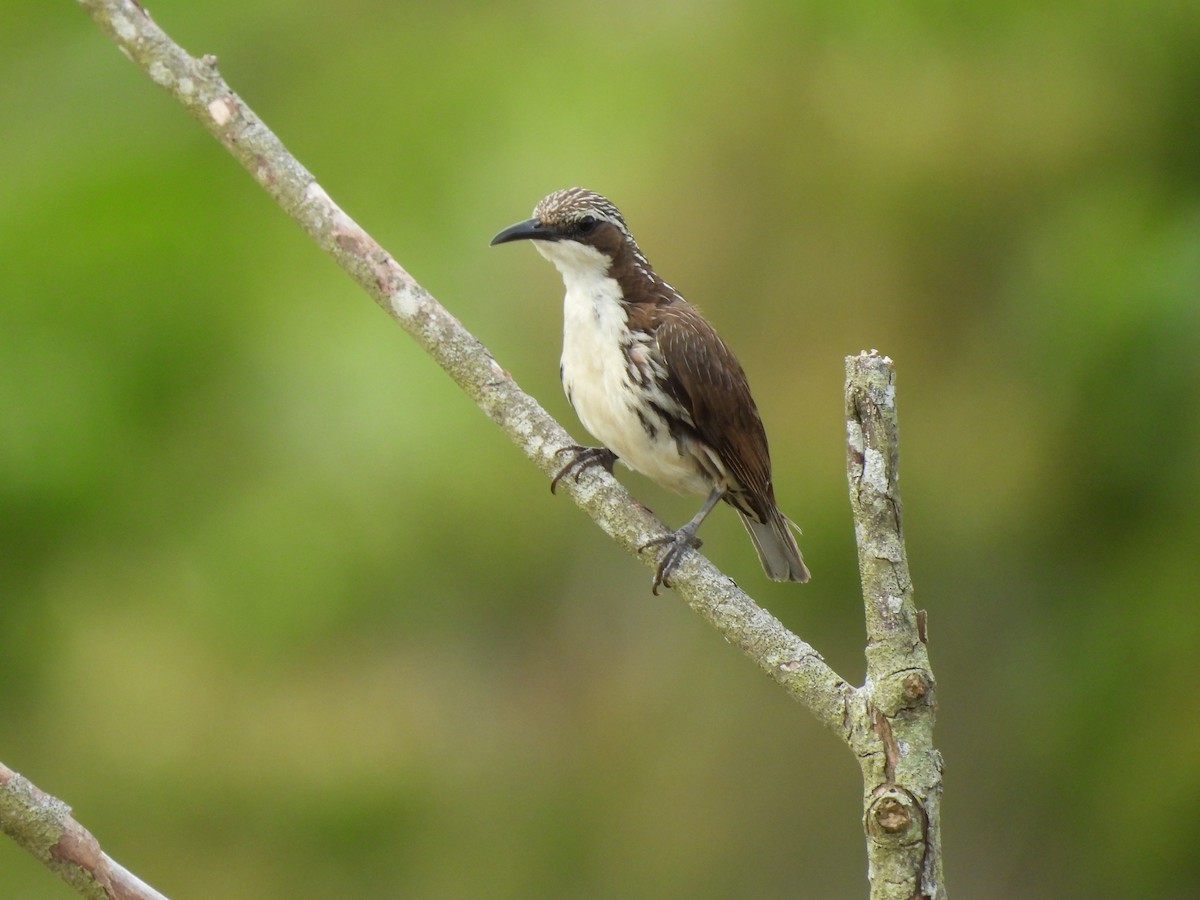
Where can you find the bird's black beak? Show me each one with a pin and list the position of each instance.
(530, 229)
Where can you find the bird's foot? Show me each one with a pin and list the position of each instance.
(583, 458)
(677, 543)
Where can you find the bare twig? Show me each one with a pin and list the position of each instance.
(887, 723)
(197, 85)
(43, 825)
(902, 772)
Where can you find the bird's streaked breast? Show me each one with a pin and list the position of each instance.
(614, 377)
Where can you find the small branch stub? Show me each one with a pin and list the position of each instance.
(889, 815)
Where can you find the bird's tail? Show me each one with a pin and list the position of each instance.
(776, 546)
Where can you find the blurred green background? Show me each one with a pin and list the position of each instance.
(283, 615)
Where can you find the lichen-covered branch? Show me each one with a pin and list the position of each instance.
(43, 825)
(198, 86)
(887, 723)
(902, 771)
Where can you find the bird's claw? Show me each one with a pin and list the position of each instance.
(677, 544)
(583, 458)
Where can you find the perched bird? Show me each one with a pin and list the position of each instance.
(650, 379)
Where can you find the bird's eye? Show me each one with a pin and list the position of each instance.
(586, 224)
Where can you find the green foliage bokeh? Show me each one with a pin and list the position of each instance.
(283, 615)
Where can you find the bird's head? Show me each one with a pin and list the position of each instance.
(576, 229)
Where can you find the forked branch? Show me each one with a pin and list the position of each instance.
(887, 723)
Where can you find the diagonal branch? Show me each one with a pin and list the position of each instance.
(198, 86)
(887, 723)
(43, 825)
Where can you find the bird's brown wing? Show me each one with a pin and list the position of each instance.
(708, 381)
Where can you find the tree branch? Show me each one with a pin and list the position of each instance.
(197, 85)
(902, 772)
(43, 825)
(887, 723)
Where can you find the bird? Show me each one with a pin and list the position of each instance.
(654, 383)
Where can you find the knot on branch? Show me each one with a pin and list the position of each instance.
(904, 690)
(894, 816)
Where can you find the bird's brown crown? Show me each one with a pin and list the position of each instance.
(574, 205)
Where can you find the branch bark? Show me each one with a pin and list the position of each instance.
(43, 825)
(902, 771)
(198, 86)
(887, 723)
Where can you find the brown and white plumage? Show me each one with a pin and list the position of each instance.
(652, 380)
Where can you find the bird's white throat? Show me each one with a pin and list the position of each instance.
(574, 260)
